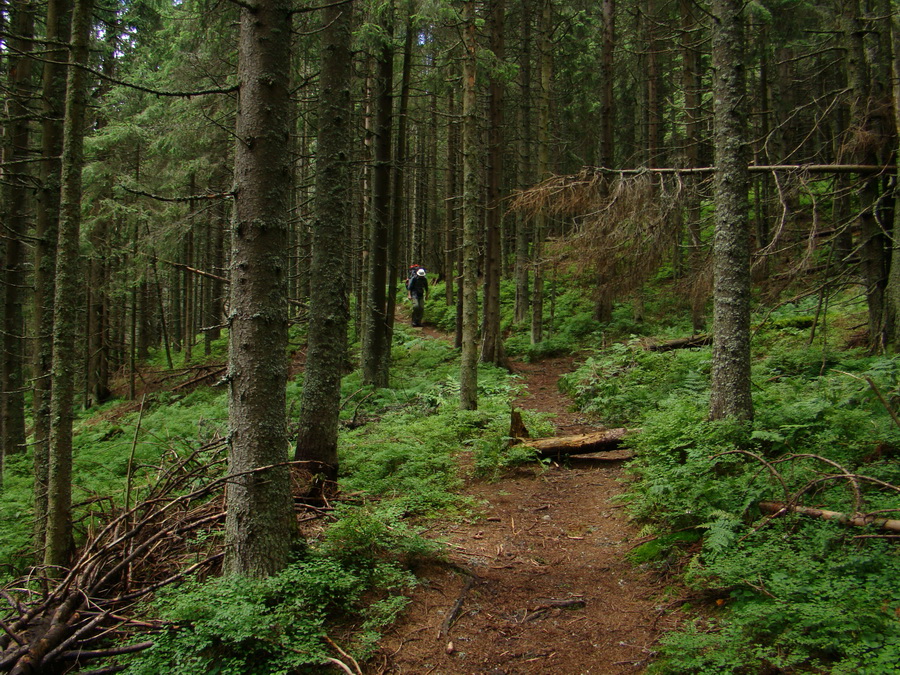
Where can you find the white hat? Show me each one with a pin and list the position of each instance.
(420, 272)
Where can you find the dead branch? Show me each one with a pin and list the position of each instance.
(779, 508)
(138, 551)
(540, 610)
(878, 393)
(453, 614)
(792, 499)
(681, 343)
(200, 378)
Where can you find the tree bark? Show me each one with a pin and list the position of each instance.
(15, 200)
(607, 110)
(491, 339)
(691, 85)
(375, 356)
(468, 377)
(653, 85)
(872, 251)
(524, 169)
(68, 283)
(259, 526)
(451, 199)
(730, 391)
(892, 299)
(399, 178)
(778, 508)
(329, 312)
(580, 444)
(53, 102)
(543, 169)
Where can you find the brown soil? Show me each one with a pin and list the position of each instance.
(539, 582)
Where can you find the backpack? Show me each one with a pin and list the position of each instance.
(411, 273)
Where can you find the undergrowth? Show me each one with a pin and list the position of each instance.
(399, 452)
(793, 593)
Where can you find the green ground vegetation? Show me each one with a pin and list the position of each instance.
(399, 458)
(787, 594)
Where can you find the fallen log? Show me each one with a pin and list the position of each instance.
(778, 508)
(580, 444)
(681, 343)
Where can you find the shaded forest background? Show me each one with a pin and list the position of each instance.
(618, 87)
(734, 152)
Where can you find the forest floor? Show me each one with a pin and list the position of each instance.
(540, 583)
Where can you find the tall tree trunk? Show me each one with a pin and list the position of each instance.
(691, 83)
(53, 103)
(892, 294)
(543, 169)
(188, 325)
(260, 525)
(872, 250)
(730, 392)
(431, 229)
(97, 375)
(15, 199)
(216, 308)
(398, 181)
(607, 102)
(653, 83)
(68, 282)
(451, 200)
(329, 312)
(97, 342)
(375, 357)
(468, 377)
(524, 169)
(491, 340)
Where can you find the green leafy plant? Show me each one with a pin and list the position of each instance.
(240, 626)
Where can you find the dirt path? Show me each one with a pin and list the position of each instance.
(540, 583)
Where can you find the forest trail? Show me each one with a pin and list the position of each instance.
(540, 583)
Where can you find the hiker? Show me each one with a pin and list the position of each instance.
(417, 291)
(411, 272)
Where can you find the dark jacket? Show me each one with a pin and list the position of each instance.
(418, 286)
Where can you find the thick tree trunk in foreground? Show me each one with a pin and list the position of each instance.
(260, 526)
(68, 284)
(730, 393)
(329, 311)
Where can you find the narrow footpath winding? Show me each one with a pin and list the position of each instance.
(540, 583)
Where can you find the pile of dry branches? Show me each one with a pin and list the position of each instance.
(61, 619)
